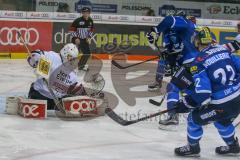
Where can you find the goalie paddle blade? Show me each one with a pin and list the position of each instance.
(116, 117)
(117, 65)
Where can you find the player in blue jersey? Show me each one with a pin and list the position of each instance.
(179, 31)
(183, 28)
(213, 85)
(172, 45)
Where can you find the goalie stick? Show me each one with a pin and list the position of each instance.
(58, 103)
(123, 122)
(24, 43)
(157, 103)
(237, 124)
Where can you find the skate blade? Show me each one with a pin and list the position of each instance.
(193, 156)
(229, 155)
(189, 156)
(170, 127)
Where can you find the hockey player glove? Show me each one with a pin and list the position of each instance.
(76, 89)
(152, 35)
(187, 104)
(150, 38)
(232, 46)
(181, 107)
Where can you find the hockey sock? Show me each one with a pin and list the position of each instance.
(226, 132)
(194, 131)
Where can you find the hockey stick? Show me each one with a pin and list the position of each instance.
(123, 122)
(24, 43)
(124, 67)
(157, 103)
(132, 65)
(236, 125)
(58, 103)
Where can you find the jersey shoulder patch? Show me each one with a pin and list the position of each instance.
(196, 66)
(194, 69)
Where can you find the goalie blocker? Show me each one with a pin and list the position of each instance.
(80, 106)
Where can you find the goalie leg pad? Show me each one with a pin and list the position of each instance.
(84, 106)
(31, 108)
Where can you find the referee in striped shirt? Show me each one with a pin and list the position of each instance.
(82, 30)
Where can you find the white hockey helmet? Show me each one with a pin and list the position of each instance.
(69, 52)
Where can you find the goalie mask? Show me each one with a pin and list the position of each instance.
(69, 52)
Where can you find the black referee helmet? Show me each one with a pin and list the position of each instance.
(85, 9)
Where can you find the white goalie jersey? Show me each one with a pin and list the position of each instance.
(61, 77)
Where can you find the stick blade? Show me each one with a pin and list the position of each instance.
(154, 102)
(157, 103)
(116, 117)
(117, 65)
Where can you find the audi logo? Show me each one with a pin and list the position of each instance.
(9, 36)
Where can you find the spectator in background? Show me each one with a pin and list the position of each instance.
(148, 12)
(82, 31)
(63, 7)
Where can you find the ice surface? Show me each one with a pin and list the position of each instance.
(97, 139)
